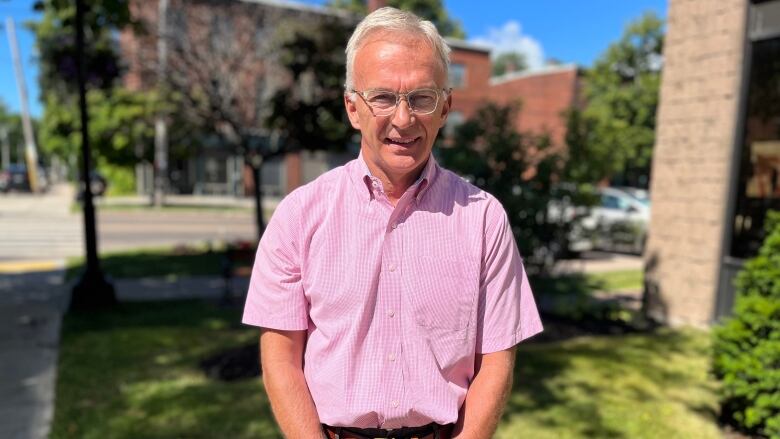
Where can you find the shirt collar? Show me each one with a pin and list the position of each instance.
(362, 174)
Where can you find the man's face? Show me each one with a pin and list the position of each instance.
(398, 145)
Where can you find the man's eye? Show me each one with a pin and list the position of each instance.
(423, 100)
(382, 99)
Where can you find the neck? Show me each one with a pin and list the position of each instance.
(393, 185)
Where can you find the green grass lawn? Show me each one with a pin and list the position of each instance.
(618, 280)
(155, 262)
(133, 373)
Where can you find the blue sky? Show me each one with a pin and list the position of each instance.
(571, 31)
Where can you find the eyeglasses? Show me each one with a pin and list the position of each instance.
(384, 102)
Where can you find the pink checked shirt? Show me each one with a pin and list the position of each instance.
(396, 300)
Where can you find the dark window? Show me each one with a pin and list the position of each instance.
(457, 75)
(758, 184)
(610, 202)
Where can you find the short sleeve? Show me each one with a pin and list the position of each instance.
(276, 298)
(507, 311)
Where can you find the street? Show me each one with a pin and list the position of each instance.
(45, 228)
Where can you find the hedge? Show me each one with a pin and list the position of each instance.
(746, 346)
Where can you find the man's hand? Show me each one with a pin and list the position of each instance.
(282, 362)
(487, 395)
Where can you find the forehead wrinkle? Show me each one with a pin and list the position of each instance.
(390, 44)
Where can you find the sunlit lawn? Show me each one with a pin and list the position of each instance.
(632, 386)
(155, 262)
(133, 373)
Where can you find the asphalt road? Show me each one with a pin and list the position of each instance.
(120, 230)
(45, 228)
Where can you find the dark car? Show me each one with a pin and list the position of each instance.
(15, 178)
(97, 184)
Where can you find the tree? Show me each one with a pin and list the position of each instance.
(11, 132)
(520, 170)
(120, 118)
(615, 131)
(263, 81)
(432, 10)
(509, 62)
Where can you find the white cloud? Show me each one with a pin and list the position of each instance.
(510, 38)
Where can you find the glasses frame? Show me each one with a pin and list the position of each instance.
(440, 93)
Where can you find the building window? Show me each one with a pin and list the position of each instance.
(457, 75)
(758, 184)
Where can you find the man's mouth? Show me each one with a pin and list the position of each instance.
(404, 142)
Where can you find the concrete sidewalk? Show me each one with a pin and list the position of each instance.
(31, 308)
(32, 305)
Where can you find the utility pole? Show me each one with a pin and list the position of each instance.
(160, 124)
(31, 154)
(92, 290)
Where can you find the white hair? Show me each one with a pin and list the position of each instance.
(395, 20)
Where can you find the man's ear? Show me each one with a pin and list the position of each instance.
(352, 111)
(445, 110)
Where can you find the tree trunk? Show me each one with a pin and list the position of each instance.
(257, 164)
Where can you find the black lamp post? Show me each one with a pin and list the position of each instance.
(93, 290)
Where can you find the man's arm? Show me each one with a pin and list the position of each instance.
(282, 361)
(487, 395)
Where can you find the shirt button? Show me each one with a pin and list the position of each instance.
(391, 357)
(390, 313)
(392, 267)
(395, 225)
(395, 403)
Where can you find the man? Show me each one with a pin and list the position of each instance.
(389, 291)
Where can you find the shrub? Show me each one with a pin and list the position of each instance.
(747, 345)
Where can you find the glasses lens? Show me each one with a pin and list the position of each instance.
(382, 101)
(423, 101)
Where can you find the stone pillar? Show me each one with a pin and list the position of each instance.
(695, 132)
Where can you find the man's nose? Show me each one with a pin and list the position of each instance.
(403, 117)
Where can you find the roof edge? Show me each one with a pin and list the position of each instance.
(546, 70)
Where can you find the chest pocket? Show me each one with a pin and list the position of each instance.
(443, 292)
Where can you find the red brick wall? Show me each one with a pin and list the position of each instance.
(475, 93)
(544, 97)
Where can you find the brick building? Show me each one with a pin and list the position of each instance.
(716, 164)
(545, 95)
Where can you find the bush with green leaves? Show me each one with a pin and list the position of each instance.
(747, 345)
(523, 171)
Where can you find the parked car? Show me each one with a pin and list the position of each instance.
(15, 178)
(619, 222)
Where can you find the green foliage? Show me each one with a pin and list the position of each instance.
(615, 132)
(518, 169)
(121, 125)
(309, 111)
(12, 123)
(56, 43)
(747, 345)
(121, 179)
(503, 62)
(431, 10)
